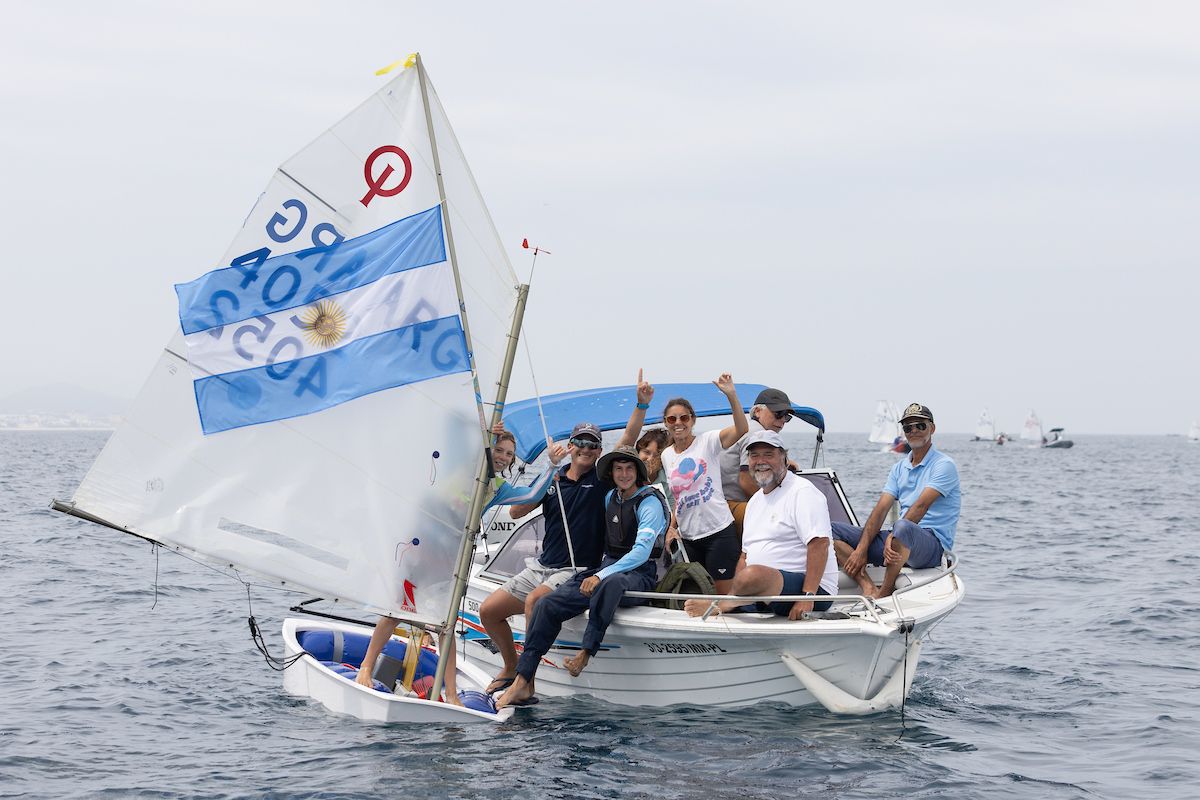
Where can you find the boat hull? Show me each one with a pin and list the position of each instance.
(660, 657)
(309, 678)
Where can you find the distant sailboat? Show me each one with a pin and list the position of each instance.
(985, 428)
(1031, 431)
(1194, 432)
(885, 430)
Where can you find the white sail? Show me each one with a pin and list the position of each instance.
(351, 479)
(1194, 431)
(985, 428)
(886, 426)
(1032, 430)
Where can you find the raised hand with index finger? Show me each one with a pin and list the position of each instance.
(645, 392)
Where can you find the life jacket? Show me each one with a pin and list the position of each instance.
(685, 577)
(622, 522)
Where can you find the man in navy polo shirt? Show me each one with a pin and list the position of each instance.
(926, 484)
(582, 497)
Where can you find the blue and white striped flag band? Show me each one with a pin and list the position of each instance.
(279, 337)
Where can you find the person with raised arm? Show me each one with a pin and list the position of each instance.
(582, 496)
(651, 443)
(701, 517)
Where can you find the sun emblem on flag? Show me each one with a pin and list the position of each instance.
(323, 323)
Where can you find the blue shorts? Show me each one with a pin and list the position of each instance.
(925, 550)
(793, 583)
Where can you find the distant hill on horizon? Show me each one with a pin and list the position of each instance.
(63, 398)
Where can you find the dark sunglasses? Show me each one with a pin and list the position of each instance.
(918, 425)
(782, 415)
(585, 444)
(671, 419)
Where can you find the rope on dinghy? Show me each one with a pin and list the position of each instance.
(155, 547)
(907, 625)
(274, 662)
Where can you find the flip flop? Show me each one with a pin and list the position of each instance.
(504, 683)
(528, 701)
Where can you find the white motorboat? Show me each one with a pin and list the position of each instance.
(858, 658)
(1056, 439)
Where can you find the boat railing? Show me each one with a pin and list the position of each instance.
(950, 568)
(870, 604)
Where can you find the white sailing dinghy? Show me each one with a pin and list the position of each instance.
(985, 428)
(1031, 431)
(1194, 432)
(885, 429)
(858, 658)
(316, 420)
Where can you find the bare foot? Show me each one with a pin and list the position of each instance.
(866, 585)
(698, 608)
(518, 693)
(576, 663)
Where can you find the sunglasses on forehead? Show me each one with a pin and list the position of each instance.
(908, 427)
(671, 419)
(585, 444)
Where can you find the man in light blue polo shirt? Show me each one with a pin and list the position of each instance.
(926, 484)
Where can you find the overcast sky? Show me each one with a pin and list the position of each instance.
(961, 204)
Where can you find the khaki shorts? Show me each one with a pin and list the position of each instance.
(534, 575)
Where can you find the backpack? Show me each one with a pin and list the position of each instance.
(689, 577)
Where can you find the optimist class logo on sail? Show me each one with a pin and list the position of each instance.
(377, 184)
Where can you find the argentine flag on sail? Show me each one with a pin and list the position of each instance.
(276, 337)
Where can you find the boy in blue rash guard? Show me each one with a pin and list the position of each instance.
(636, 521)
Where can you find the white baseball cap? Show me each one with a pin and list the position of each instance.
(763, 437)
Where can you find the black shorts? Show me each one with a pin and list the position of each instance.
(718, 552)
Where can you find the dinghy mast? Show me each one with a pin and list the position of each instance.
(479, 497)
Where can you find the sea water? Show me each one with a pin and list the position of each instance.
(1071, 670)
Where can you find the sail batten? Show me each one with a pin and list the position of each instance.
(324, 433)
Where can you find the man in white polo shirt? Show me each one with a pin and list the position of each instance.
(787, 547)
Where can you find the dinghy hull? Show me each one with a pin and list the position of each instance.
(308, 677)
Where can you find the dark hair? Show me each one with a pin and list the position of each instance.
(505, 436)
(679, 401)
(660, 435)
